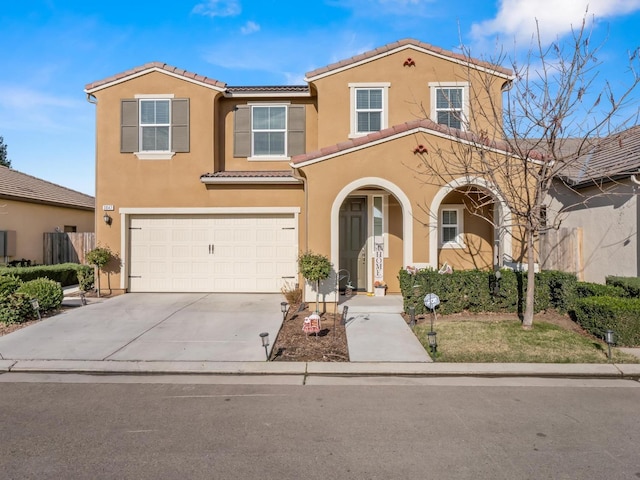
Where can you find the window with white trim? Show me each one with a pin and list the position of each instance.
(155, 125)
(269, 130)
(449, 103)
(369, 108)
(451, 226)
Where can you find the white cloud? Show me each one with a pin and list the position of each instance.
(218, 8)
(250, 27)
(517, 18)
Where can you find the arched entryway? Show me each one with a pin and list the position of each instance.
(371, 231)
(470, 225)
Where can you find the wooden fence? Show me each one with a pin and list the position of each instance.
(67, 247)
(561, 249)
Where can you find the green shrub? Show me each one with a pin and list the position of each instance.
(48, 293)
(478, 291)
(9, 284)
(631, 285)
(64, 273)
(622, 315)
(588, 289)
(85, 277)
(15, 308)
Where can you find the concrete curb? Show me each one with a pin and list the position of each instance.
(629, 371)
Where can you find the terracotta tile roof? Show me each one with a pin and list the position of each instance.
(405, 42)
(148, 66)
(269, 89)
(609, 158)
(16, 185)
(405, 128)
(237, 176)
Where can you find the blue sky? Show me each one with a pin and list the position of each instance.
(52, 48)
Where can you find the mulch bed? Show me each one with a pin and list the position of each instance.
(294, 345)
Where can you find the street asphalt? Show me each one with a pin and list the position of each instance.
(190, 333)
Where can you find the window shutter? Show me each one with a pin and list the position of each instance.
(242, 131)
(180, 125)
(129, 126)
(296, 134)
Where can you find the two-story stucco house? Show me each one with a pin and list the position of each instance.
(216, 188)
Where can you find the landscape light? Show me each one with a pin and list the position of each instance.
(264, 336)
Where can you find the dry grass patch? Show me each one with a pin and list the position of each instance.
(504, 341)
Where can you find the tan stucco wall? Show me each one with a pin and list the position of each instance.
(409, 93)
(32, 220)
(609, 224)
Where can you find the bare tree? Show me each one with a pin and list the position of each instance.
(550, 114)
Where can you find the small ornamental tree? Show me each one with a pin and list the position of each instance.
(314, 267)
(99, 257)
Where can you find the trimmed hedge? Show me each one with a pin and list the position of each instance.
(587, 289)
(65, 273)
(631, 285)
(480, 291)
(622, 315)
(15, 308)
(48, 293)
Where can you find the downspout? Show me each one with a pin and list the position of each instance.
(300, 176)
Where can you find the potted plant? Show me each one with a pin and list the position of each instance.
(379, 288)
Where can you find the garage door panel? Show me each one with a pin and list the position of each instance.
(212, 253)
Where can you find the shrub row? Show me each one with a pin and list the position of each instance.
(66, 273)
(599, 314)
(16, 296)
(631, 285)
(482, 291)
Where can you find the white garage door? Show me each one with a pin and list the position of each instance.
(212, 253)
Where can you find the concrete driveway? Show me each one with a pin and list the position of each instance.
(153, 327)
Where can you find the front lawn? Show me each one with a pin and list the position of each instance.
(504, 341)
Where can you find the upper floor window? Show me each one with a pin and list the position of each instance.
(269, 130)
(155, 123)
(369, 107)
(154, 127)
(449, 103)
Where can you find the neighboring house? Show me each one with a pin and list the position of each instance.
(30, 207)
(596, 201)
(216, 188)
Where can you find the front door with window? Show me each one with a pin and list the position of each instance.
(353, 241)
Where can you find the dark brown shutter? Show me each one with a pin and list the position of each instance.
(242, 131)
(296, 130)
(129, 126)
(180, 125)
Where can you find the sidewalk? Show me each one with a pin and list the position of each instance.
(218, 335)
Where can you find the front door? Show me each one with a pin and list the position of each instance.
(353, 241)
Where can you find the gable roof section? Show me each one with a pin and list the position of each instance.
(19, 186)
(155, 67)
(408, 43)
(402, 130)
(613, 157)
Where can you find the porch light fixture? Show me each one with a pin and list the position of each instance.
(610, 338)
(264, 336)
(283, 309)
(107, 219)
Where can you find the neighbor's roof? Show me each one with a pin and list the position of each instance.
(610, 158)
(155, 66)
(403, 129)
(19, 186)
(403, 44)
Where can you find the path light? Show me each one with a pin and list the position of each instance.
(610, 338)
(264, 336)
(36, 306)
(343, 319)
(412, 313)
(433, 342)
(283, 309)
